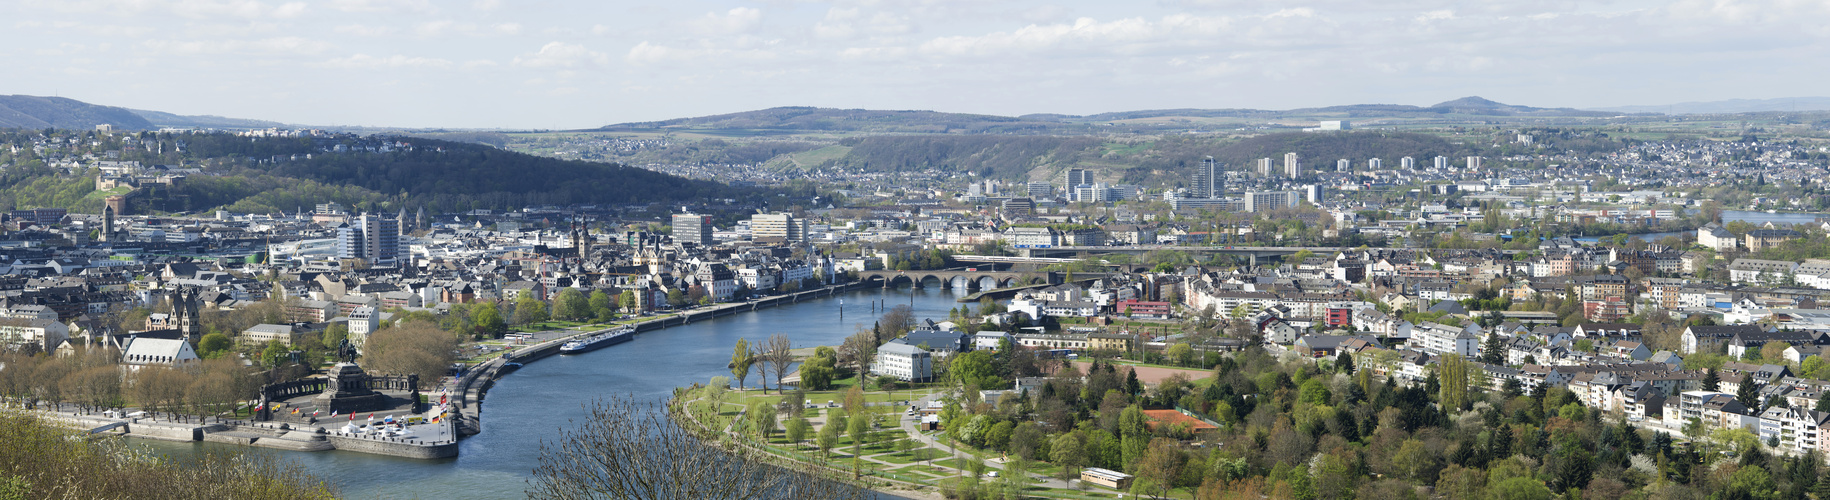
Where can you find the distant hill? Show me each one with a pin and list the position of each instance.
(271, 174)
(847, 120)
(1731, 106)
(163, 119)
(1472, 105)
(24, 111)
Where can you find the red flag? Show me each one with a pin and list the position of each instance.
(352, 417)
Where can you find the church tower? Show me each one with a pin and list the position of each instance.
(107, 223)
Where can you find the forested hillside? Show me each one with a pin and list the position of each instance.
(25, 111)
(266, 174)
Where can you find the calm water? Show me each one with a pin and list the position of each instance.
(1763, 217)
(535, 402)
(1750, 217)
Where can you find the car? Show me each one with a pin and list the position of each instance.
(991, 474)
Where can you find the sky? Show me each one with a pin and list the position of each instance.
(578, 64)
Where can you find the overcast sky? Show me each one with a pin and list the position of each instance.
(551, 64)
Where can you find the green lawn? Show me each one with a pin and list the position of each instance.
(912, 456)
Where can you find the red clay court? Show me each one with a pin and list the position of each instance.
(1173, 417)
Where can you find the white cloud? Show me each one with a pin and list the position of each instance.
(1085, 34)
(562, 55)
(648, 53)
(735, 21)
(289, 45)
(508, 29)
(382, 5)
(364, 30)
(365, 61)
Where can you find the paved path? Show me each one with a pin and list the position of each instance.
(909, 425)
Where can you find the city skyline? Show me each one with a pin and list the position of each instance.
(425, 64)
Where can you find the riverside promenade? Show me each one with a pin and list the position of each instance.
(427, 440)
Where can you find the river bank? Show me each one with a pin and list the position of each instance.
(532, 405)
(474, 384)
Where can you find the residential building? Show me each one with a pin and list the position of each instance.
(904, 362)
(371, 238)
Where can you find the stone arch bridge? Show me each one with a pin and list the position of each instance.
(973, 279)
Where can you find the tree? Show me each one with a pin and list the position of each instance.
(676, 297)
(778, 350)
(1711, 382)
(857, 427)
(1493, 351)
(817, 371)
(1343, 362)
(529, 310)
(276, 354)
(1748, 395)
(1161, 465)
(1456, 375)
(1415, 462)
(741, 359)
(859, 350)
(897, 321)
(488, 320)
(334, 335)
(1519, 488)
(762, 420)
(631, 449)
(978, 368)
(415, 347)
(828, 438)
(1066, 451)
(1181, 353)
(214, 345)
(628, 302)
(571, 305)
(601, 306)
(797, 430)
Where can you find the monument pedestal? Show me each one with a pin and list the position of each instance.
(348, 391)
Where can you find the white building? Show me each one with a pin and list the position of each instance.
(363, 321)
(904, 362)
(142, 352)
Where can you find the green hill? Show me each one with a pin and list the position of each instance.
(35, 112)
(267, 174)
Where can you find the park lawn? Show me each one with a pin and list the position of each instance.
(914, 471)
(951, 463)
(912, 456)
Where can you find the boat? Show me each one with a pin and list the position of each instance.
(600, 339)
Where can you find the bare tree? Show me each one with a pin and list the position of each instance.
(897, 321)
(416, 347)
(627, 448)
(779, 351)
(859, 350)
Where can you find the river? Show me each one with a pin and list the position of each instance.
(536, 402)
(1751, 217)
